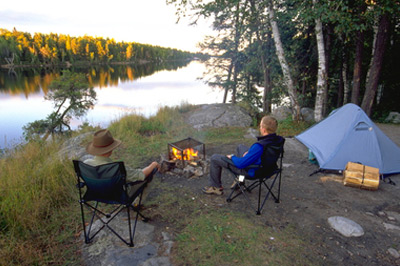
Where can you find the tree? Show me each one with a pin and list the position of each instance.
(376, 63)
(71, 96)
(292, 91)
(322, 88)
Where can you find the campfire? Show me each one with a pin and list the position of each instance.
(186, 150)
(186, 157)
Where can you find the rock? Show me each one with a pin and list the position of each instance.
(107, 249)
(251, 133)
(395, 215)
(74, 148)
(381, 213)
(393, 117)
(391, 226)
(307, 114)
(159, 261)
(394, 253)
(281, 113)
(345, 226)
(219, 115)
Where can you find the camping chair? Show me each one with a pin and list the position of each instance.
(107, 195)
(270, 171)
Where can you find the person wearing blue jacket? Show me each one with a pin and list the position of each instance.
(244, 156)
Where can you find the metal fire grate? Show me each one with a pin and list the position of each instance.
(184, 144)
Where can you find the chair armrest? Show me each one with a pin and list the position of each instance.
(227, 160)
(133, 183)
(253, 166)
(230, 162)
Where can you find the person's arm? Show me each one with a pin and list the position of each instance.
(252, 157)
(147, 170)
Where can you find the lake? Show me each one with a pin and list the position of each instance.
(120, 90)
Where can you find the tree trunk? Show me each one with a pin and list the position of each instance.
(376, 64)
(321, 83)
(357, 72)
(266, 101)
(235, 76)
(346, 88)
(284, 65)
(328, 44)
(228, 81)
(267, 87)
(355, 93)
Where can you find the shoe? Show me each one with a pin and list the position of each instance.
(235, 184)
(213, 190)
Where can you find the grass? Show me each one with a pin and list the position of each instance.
(39, 214)
(36, 193)
(210, 235)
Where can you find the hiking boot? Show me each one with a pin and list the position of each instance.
(213, 190)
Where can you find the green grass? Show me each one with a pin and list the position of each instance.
(207, 234)
(36, 194)
(288, 127)
(39, 214)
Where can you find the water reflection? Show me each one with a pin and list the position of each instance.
(32, 80)
(120, 90)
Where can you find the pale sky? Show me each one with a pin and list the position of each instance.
(142, 21)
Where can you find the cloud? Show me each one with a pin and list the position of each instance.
(17, 18)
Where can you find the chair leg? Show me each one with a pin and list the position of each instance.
(259, 198)
(129, 227)
(83, 223)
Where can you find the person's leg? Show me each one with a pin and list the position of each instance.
(216, 164)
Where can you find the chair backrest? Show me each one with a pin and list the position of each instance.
(270, 157)
(105, 183)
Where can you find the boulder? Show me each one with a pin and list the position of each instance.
(281, 113)
(345, 226)
(74, 148)
(307, 114)
(393, 117)
(219, 115)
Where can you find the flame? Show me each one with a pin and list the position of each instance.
(188, 154)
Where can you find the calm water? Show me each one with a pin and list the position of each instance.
(120, 90)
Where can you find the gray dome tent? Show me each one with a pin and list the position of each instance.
(348, 135)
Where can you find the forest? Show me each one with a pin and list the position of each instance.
(315, 53)
(318, 53)
(21, 48)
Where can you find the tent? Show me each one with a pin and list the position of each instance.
(348, 135)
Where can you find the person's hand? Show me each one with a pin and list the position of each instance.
(156, 165)
(244, 154)
(229, 156)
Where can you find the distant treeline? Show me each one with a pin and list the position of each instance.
(21, 48)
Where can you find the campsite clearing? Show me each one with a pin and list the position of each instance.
(306, 204)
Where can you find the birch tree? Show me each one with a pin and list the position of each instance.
(322, 89)
(292, 91)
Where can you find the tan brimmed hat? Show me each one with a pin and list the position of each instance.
(103, 142)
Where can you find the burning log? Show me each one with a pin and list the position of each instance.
(185, 158)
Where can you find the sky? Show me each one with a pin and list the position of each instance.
(143, 21)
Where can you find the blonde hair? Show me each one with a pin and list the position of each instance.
(269, 123)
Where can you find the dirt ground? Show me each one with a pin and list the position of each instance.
(308, 201)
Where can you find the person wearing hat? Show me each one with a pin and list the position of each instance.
(102, 147)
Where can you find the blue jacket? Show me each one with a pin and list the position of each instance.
(253, 156)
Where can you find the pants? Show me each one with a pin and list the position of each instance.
(217, 164)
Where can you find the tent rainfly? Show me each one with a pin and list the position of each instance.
(348, 135)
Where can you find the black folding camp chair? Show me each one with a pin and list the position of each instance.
(104, 193)
(266, 175)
